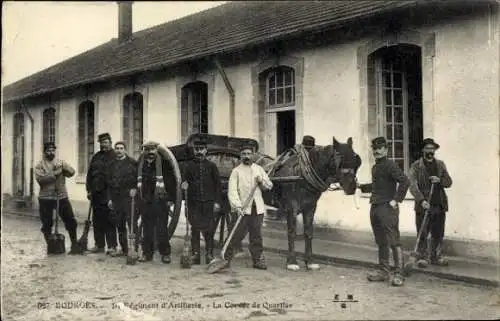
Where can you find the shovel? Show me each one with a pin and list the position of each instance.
(132, 255)
(218, 264)
(414, 255)
(56, 241)
(186, 250)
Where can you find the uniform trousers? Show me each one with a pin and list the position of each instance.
(102, 223)
(121, 218)
(202, 220)
(385, 224)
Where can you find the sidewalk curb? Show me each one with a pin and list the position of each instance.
(331, 260)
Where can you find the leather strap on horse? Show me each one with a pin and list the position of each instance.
(307, 171)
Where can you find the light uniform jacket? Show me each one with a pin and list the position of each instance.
(51, 186)
(420, 184)
(241, 182)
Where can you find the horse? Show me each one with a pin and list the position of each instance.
(319, 167)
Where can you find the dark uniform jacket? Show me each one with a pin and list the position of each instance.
(421, 185)
(204, 181)
(123, 177)
(386, 174)
(98, 175)
(149, 180)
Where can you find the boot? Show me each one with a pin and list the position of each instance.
(196, 258)
(436, 254)
(209, 256)
(382, 274)
(397, 253)
(75, 247)
(96, 249)
(259, 263)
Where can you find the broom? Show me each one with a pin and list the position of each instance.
(218, 264)
(186, 250)
(414, 255)
(83, 241)
(132, 256)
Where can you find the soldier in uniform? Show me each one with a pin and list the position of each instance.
(204, 193)
(123, 179)
(51, 173)
(389, 186)
(97, 192)
(426, 171)
(155, 189)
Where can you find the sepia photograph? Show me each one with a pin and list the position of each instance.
(250, 160)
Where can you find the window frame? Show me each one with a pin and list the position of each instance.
(285, 105)
(49, 117)
(382, 109)
(88, 138)
(130, 117)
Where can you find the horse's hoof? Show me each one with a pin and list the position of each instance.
(293, 267)
(313, 266)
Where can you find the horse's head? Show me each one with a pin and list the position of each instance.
(346, 163)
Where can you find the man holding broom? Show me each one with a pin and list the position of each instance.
(426, 171)
(242, 181)
(51, 173)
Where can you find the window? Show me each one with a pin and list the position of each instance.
(194, 109)
(133, 123)
(281, 88)
(399, 101)
(85, 135)
(49, 125)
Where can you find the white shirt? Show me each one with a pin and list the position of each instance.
(241, 182)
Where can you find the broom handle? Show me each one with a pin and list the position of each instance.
(57, 210)
(240, 217)
(424, 221)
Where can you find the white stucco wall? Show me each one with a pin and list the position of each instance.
(465, 122)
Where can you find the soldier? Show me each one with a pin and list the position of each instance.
(154, 184)
(204, 193)
(384, 212)
(97, 192)
(123, 179)
(426, 171)
(243, 178)
(51, 173)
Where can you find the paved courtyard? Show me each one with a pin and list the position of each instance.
(96, 287)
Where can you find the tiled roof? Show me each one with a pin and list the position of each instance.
(228, 27)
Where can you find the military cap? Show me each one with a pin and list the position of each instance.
(379, 142)
(103, 136)
(150, 144)
(430, 141)
(246, 146)
(308, 141)
(48, 145)
(121, 142)
(200, 142)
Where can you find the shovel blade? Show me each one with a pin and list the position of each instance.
(216, 265)
(56, 244)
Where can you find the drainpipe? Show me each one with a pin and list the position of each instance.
(230, 90)
(32, 147)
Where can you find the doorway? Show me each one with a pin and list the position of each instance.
(18, 159)
(285, 130)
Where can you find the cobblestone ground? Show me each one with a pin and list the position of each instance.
(37, 287)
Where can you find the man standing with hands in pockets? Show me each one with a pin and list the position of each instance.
(241, 183)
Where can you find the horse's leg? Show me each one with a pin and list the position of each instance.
(308, 216)
(291, 260)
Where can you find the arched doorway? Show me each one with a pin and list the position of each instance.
(395, 91)
(194, 109)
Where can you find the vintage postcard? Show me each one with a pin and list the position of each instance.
(250, 160)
